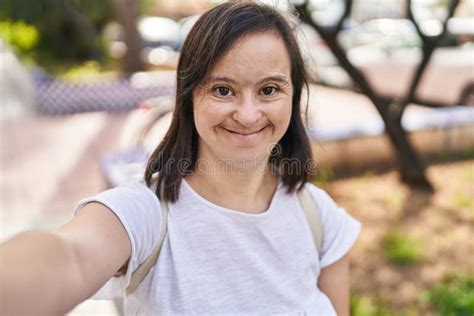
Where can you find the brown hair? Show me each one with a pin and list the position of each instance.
(210, 38)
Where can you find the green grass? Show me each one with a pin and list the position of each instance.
(462, 200)
(402, 249)
(468, 173)
(369, 174)
(454, 296)
(365, 306)
(396, 200)
(323, 176)
(468, 153)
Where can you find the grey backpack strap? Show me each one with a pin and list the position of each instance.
(311, 211)
(140, 273)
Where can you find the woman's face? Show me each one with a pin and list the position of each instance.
(243, 106)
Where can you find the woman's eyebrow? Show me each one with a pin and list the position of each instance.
(277, 78)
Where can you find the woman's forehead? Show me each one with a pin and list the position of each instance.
(252, 59)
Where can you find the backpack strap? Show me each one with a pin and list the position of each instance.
(140, 273)
(311, 211)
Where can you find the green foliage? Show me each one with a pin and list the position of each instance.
(146, 6)
(21, 36)
(68, 29)
(364, 306)
(86, 71)
(454, 296)
(402, 249)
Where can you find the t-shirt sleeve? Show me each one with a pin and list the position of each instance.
(339, 229)
(138, 209)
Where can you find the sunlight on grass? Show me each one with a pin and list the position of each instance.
(361, 306)
(454, 296)
(402, 249)
(462, 200)
(468, 173)
(395, 199)
(364, 306)
(323, 176)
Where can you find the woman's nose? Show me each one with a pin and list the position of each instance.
(247, 112)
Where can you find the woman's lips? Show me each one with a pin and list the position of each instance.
(245, 135)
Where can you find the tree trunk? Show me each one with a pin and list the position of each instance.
(127, 14)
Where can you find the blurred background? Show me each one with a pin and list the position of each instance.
(86, 90)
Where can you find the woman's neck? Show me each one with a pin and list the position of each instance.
(250, 190)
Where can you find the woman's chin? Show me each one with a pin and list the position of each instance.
(244, 161)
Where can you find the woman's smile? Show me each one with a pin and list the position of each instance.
(245, 135)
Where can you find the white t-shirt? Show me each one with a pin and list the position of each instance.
(217, 261)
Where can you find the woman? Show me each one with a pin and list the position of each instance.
(229, 169)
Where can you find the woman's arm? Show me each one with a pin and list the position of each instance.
(48, 273)
(334, 282)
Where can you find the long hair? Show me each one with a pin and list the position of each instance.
(210, 39)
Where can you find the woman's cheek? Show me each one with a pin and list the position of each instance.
(284, 112)
(211, 114)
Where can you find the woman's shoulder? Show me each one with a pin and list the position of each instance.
(132, 190)
(128, 199)
(319, 196)
(329, 210)
(139, 186)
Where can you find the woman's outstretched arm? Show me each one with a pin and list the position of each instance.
(49, 273)
(334, 282)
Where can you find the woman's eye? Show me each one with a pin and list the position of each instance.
(223, 91)
(268, 91)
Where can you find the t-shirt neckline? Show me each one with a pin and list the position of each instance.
(219, 208)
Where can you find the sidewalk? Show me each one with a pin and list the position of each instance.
(49, 163)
